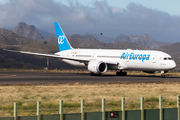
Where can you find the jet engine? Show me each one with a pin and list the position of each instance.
(97, 67)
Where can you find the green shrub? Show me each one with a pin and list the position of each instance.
(113, 109)
(171, 103)
(152, 99)
(74, 105)
(113, 103)
(49, 105)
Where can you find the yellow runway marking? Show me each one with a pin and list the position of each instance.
(13, 75)
(6, 75)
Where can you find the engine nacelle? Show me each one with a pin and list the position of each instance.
(97, 67)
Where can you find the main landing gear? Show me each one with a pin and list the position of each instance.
(162, 74)
(121, 73)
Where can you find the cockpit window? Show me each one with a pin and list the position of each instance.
(168, 58)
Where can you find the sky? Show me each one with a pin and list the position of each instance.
(160, 19)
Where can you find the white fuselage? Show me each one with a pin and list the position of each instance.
(146, 60)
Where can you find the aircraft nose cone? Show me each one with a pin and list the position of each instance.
(173, 65)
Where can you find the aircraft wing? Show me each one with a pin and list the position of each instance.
(58, 56)
(32, 53)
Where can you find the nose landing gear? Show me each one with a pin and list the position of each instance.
(162, 74)
(121, 73)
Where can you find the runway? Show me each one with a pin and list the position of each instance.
(19, 77)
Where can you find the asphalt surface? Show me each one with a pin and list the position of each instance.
(18, 77)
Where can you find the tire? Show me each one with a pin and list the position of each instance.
(118, 73)
(124, 73)
(162, 76)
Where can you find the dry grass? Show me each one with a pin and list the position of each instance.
(71, 94)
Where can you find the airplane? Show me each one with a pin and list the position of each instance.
(98, 61)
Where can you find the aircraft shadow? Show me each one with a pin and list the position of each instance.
(113, 75)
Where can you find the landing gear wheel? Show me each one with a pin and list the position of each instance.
(118, 73)
(162, 76)
(124, 73)
(121, 73)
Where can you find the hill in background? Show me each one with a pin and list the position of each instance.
(102, 38)
(143, 40)
(10, 38)
(46, 34)
(28, 31)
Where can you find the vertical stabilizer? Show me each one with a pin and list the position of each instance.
(63, 42)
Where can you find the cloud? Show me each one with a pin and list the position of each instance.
(99, 17)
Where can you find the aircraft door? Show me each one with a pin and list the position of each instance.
(163, 62)
(154, 59)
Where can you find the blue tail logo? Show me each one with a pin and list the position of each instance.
(63, 42)
(60, 39)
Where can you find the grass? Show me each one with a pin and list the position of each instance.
(27, 95)
(152, 99)
(114, 103)
(171, 103)
(71, 105)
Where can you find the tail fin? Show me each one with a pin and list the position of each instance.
(63, 42)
